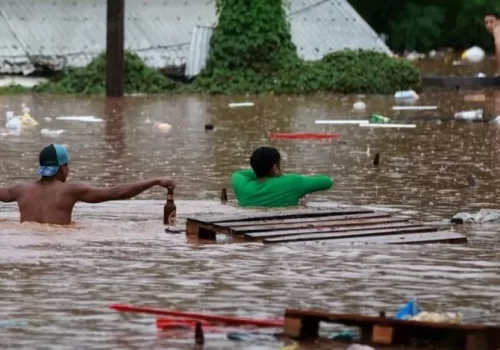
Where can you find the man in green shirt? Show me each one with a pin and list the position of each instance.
(266, 186)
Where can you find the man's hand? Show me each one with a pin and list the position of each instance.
(165, 182)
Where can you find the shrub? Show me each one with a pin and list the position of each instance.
(251, 51)
(91, 79)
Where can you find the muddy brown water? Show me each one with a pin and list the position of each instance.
(60, 280)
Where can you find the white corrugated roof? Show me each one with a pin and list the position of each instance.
(66, 33)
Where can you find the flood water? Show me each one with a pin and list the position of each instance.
(60, 280)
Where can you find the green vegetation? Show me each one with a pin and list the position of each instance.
(424, 25)
(92, 79)
(251, 51)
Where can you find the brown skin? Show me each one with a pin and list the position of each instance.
(492, 25)
(51, 200)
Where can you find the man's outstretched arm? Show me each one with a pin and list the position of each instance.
(9, 193)
(89, 194)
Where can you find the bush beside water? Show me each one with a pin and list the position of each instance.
(251, 51)
(91, 79)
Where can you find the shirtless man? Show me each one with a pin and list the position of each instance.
(51, 199)
(492, 24)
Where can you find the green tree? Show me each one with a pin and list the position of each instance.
(418, 27)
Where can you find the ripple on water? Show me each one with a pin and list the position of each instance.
(61, 280)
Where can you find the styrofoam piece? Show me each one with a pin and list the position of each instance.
(241, 104)
(83, 118)
(356, 122)
(388, 125)
(414, 108)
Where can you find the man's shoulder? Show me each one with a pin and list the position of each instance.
(496, 32)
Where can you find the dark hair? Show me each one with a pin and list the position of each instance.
(263, 159)
(492, 13)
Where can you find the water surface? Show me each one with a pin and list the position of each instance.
(60, 280)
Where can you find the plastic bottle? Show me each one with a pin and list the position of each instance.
(379, 119)
(469, 115)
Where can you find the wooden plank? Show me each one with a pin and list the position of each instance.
(361, 320)
(337, 227)
(283, 213)
(359, 233)
(287, 226)
(408, 238)
(389, 331)
(357, 217)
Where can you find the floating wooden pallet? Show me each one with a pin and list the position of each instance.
(304, 325)
(344, 225)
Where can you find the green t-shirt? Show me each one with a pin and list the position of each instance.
(281, 191)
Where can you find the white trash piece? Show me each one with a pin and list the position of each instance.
(12, 122)
(406, 95)
(340, 122)
(241, 104)
(164, 127)
(474, 54)
(51, 133)
(481, 75)
(469, 115)
(413, 108)
(360, 347)
(359, 106)
(85, 118)
(388, 125)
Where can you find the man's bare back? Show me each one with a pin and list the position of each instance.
(51, 199)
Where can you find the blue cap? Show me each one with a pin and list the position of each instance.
(52, 158)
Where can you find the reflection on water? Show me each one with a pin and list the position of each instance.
(61, 279)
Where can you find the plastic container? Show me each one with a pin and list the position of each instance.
(469, 115)
(406, 95)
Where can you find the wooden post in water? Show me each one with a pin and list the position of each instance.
(115, 37)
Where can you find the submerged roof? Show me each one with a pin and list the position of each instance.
(65, 33)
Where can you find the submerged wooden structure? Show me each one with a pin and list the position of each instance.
(304, 325)
(460, 82)
(343, 225)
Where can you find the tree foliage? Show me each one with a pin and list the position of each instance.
(251, 51)
(429, 24)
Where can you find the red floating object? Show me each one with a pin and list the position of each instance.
(210, 318)
(304, 136)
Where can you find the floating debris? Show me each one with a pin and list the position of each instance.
(51, 133)
(85, 118)
(474, 54)
(241, 104)
(355, 122)
(413, 108)
(469, 115)
(376, 160)
(388, 125)
(360, 105)
(406, 95)
(164, 127)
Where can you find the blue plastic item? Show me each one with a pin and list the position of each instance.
(408, 310)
